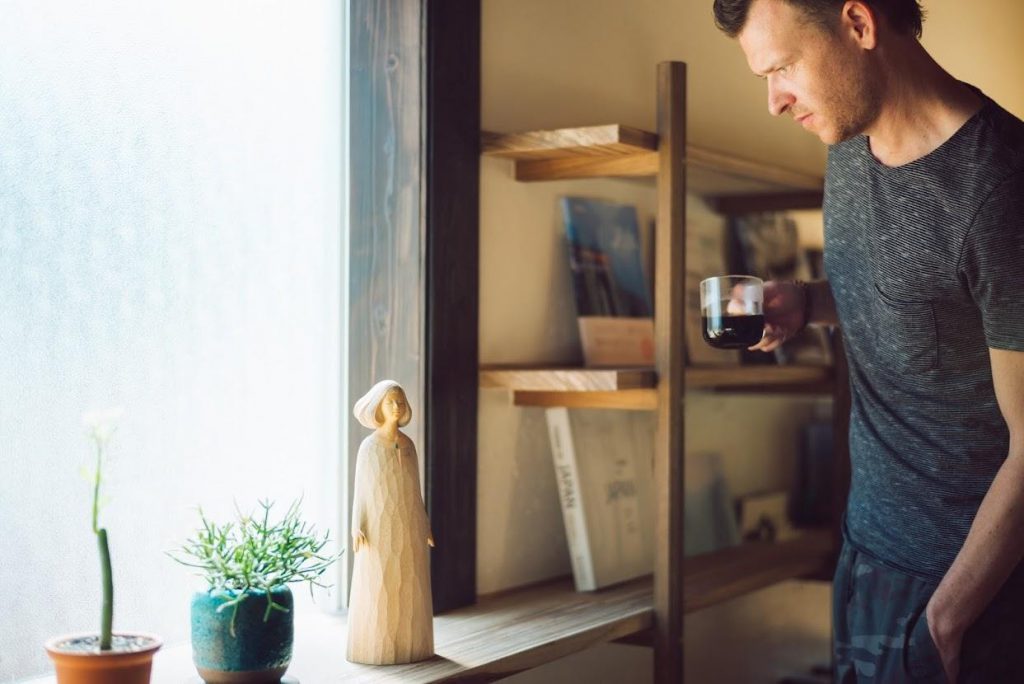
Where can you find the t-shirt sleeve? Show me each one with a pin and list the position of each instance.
(992, 264)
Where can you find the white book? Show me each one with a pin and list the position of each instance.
(604, 467)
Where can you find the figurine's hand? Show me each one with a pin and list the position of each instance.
(358, 540)
(430, 540)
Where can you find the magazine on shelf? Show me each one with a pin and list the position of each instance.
(604, 468)
(768, 247)
(612, 294)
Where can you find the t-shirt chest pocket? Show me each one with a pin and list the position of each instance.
(906, 335)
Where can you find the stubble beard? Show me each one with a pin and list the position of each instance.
(858, 102)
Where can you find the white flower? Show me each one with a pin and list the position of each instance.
(102, 424)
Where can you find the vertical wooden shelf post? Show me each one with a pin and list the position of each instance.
(669, 298)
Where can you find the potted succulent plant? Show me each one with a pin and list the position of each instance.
(105, 657)
(242, 624)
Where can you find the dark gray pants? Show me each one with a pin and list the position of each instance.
(880, 632)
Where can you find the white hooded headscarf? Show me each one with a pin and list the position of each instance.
(365, 409)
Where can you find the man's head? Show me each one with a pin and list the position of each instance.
(904, 16)
(819, 57)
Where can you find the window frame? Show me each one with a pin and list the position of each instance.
(413, 254)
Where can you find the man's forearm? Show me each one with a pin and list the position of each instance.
(993, 548)
(821, 305)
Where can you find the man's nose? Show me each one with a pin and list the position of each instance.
(779, 100)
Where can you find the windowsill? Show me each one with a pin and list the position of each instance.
(497, 637)
(524, 628)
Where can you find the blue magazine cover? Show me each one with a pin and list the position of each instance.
(604, 255)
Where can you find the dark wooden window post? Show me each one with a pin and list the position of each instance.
(452, 208)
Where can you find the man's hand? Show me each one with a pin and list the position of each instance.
(947, 639)
(783, 313)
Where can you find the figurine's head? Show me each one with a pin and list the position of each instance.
(385, 400)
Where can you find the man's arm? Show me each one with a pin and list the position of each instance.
(788, 307)
(995, 543)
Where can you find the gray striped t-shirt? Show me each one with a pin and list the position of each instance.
(926, 262)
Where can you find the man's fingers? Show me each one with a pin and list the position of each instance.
(770, 342)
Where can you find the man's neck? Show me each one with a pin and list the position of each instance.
(922, 107)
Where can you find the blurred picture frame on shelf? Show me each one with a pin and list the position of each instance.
(614, 306)
(764, 516)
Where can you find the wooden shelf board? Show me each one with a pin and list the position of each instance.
(560, 379)
(760, 378)
(614, 150)
(717, 173)
(720, 576)
(611, 140)
(628, 400)
(635, 388)
(503, 635)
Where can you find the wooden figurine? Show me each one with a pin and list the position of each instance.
(390, 617)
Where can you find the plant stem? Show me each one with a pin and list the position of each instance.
(107, 616)
(108, 591)
(96, 487)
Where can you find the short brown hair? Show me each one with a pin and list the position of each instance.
(905, 16)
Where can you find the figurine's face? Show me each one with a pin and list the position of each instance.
(393, 406)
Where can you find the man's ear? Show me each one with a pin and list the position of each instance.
(860, 21)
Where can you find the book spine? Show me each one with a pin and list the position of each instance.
(567, 475)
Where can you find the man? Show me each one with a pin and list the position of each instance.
(924, 252)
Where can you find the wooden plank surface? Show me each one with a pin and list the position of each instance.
(587, 141)
(757, 377)
(713, 578)
(484, 642)
(627, 400)
(633, 165)
(567, 379)
(669, 343)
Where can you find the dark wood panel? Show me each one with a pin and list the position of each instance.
(384, 325)
(734, 205)
(452, 176)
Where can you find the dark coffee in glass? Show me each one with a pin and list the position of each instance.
(732, 332)
(732, 316)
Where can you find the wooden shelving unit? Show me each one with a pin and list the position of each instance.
(730, 185)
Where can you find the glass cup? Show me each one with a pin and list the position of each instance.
(731, 310)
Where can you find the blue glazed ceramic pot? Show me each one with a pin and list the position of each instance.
(258, 652)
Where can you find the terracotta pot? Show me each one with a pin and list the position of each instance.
(129, 665)
(257, 652)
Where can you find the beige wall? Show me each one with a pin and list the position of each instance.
(552, 63)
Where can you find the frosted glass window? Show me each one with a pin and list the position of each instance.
(170, 242)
